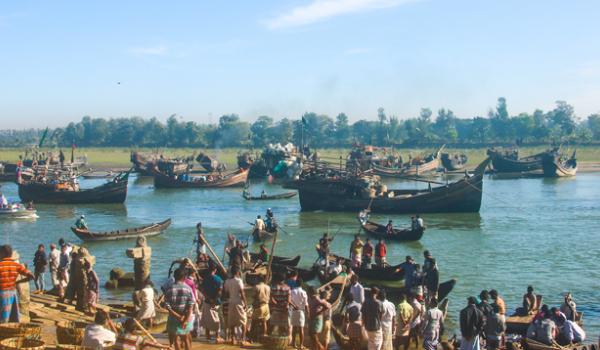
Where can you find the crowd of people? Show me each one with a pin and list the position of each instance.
(483, 321)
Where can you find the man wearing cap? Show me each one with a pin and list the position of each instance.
(471, 325)
(80, 223)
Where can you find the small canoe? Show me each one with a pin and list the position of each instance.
(379, 231)
(270, 197)
(130, 233)
(263, 235)
(281, 260)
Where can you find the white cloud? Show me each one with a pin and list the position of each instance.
(319, 10)
(160, 50)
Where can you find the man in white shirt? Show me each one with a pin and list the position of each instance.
(335, 269)
(356, 290)
(420, 222)
(299, 300)
(388, 321)
(236, 317)
(54, 264)
(259, 224)
(96, 336)
(573, 332)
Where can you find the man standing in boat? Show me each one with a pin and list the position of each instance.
(80, 223)
(380, 253)
(389, 228)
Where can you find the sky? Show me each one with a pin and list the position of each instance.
(61, 60)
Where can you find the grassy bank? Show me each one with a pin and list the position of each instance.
(119, 157)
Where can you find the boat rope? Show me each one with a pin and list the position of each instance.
(496, 198)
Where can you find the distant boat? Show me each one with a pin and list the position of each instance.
(17, 211)
(236, 178)
(114, 191)
(129, 233)
(429, 164)
(555, 166)
(507, 162)
(270, 197)
(454, 162)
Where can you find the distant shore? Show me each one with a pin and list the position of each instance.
(118, 157)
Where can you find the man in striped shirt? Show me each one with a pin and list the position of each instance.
(179, 300)
(10, 270)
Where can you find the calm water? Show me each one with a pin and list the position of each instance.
(529, 231)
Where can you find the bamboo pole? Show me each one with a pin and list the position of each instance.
(215, 256)
(269, 271)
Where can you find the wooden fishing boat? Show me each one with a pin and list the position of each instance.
(270, 197)
(252, 277)
(281, 260)
(430, 164)
(129, 233)
(379, 231)
(236, 178)
(114, 191)
(504, 162)
(454, 162)
(348, 193)
(554, 166)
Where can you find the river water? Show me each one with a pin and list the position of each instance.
(543, 232)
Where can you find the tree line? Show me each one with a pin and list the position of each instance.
(559, 125)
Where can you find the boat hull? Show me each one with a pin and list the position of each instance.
(131, 233)
(553, 167)
(111, 192)
(379, 231)
(503, 164)
(463, 196)
(235, 179)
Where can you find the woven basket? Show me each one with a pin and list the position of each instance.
(71, 347)
(68, 333)
(16, 330)
(22, 343)
(275, 342)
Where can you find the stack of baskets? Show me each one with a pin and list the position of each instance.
(21, 336)
(70, 333)
(19, 330)
(22, 344)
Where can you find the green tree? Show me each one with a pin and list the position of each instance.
(260, 131)
(342, 130)
(593, 123)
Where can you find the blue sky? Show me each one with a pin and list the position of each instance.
(60, 60)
